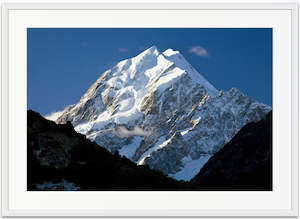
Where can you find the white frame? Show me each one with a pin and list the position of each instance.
(159, 213)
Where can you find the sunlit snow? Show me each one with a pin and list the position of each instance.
(130, 81)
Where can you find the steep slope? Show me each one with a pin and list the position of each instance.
(196, 135)
(156, 109)
(244, 163)
(119, 94)
(58, 158)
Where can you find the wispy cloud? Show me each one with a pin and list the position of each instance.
(54, 115)
(198, 51)
(123, 132)
(123, 49)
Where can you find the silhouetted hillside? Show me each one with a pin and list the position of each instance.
(245, 163)
(61, 159)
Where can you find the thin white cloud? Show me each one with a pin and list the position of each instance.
(54, 115)
(123, 49)
(198, 51)
(123, 132)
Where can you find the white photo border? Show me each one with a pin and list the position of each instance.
(7, 99)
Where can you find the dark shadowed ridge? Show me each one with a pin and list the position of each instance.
(245, 163)
(59, 158)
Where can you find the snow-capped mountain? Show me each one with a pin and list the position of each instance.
(156, 109)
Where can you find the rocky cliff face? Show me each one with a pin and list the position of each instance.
(244, 163)
(157, 110)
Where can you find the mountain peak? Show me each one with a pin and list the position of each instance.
(151, 50)
(177, 58)
(170, 52)
(160, 95)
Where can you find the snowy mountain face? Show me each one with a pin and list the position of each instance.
(156, 109)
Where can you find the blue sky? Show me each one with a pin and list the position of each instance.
(63, 63)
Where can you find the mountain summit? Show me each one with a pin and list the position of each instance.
(156, 109)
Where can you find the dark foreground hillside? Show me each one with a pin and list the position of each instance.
(58, 158)
(245, 163)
